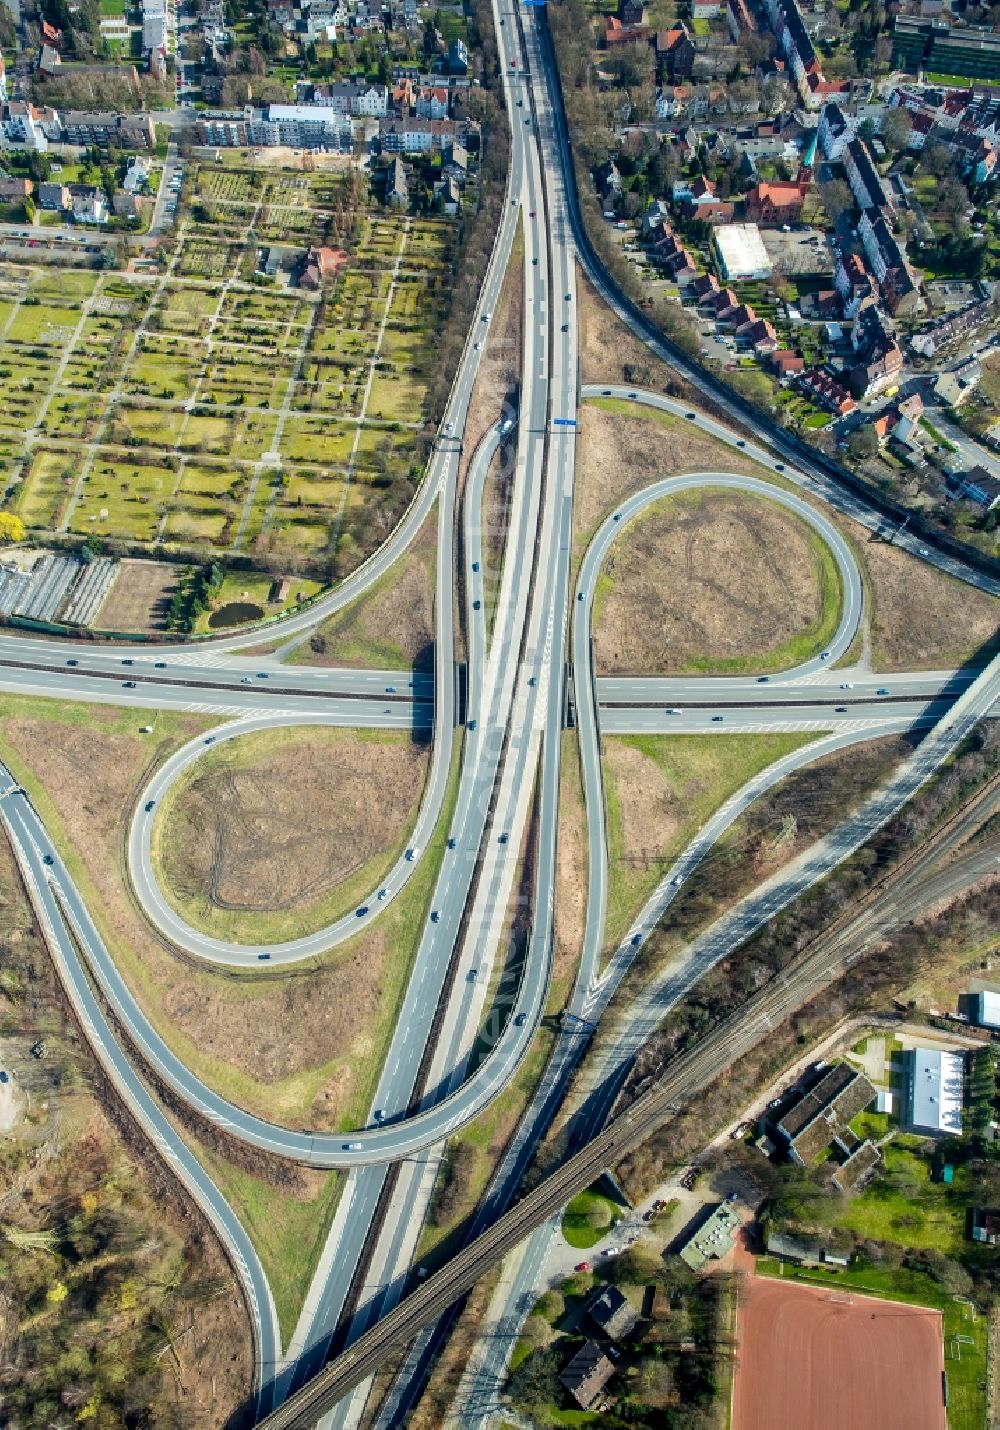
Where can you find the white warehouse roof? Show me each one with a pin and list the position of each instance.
(935, 1091)
(988, 1010)
(741, 251)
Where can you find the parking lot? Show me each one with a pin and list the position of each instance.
(799, 253)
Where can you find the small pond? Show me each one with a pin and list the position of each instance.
(234, 613)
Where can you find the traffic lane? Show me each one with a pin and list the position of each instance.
(366, 713)
(630, 720)
(839, 685)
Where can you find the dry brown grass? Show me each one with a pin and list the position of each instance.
(140, 597)
(277, 832)
(610, 352)
(290, 1047)
(923, 619)
(571, 875)
(618, 454)
(705, 576)
(392, 625)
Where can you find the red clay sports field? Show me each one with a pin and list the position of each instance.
(808, 1358)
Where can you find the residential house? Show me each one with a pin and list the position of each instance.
(431, 103)
(89, 205)
(458, 57)
(657, 216)
(984, 1226)
(877, 372)
(448, 193)
(397, 190)
(611, 1313)
(56, 198)
(739, 19)
(587, 1374)
(15, 191)
(137, 175)
(976, 485)
(824, 388)
(786, 363)
(675, 53)
(456, 161)
(866, 185)
(834, 131)
(631, 12)
(615, 33)
(955, 386)
(705, 9)
(853, 282)
(775, 203)
(125, 205)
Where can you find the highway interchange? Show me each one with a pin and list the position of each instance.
(509, 753)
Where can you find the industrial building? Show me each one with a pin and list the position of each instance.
(934, 1088)
(988, 1010)
(741, 252)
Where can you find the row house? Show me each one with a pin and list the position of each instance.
(942, 331)
(853, 282)
(834, 131)
(760, 335)
(827, 391)
(866, 185)
(706, 288)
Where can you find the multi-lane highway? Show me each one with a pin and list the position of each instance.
(509, 769)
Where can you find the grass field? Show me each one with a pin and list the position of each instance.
(659, 790)
(576, 1223)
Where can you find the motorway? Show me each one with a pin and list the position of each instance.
(509, 769)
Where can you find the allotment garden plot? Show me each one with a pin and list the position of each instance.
(206, 408)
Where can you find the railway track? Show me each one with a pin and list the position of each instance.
(817, 965)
